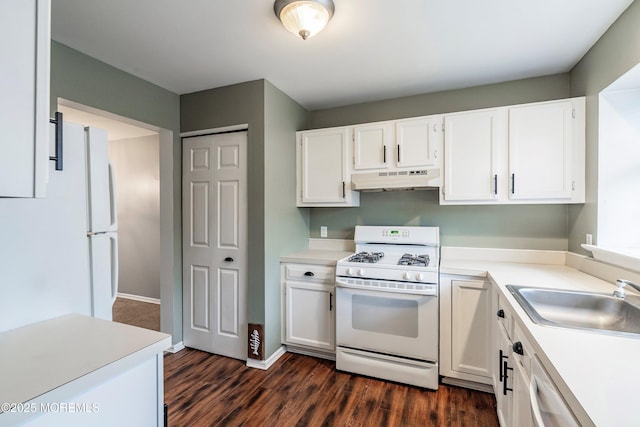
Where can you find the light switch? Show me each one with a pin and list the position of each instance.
(323, 231)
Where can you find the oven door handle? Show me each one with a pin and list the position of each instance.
(431, 291)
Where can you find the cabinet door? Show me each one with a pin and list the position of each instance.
(323, 174)
(372, 145)
(521, 403)
(504, 376)
(309, 315)
(540, 151)
(471, 156)
(418, 141)
(24, 109)
(470, 327)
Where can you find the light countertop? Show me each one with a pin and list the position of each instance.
(316, 256)
(43, 356)
(597, 374)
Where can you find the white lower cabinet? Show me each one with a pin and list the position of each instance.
(512, 369)
(308, 301)
(465, 329)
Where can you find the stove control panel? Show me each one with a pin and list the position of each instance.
(395, 233)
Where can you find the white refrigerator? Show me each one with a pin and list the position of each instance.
(58, 254)
(102, 224)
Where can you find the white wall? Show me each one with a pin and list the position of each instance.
(136, 165)
(619, 166)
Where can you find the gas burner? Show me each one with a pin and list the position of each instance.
(417, 260)
(370, 257)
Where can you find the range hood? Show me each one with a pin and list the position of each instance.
(396, 180)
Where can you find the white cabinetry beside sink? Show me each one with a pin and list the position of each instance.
(553, 368)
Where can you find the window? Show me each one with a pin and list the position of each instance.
(619, 166)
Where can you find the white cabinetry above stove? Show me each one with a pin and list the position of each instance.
(324, 168)
(531, 153)
(397, 145)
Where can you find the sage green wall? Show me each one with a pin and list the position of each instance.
(617, 51)
(494, 95)
(80, 78)
(236, 105)
(506, 226)
(286, 227)
(276, 226)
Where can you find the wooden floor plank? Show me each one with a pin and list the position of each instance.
(207, 390)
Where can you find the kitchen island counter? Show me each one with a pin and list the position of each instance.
(57, 360)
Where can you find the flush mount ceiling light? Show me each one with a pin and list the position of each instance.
(304, 18)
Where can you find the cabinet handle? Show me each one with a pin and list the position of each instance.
(513, 183)
(495, 184)
(384, 154)
(309, 274)
(398, 153)
(506, 368)
(518, 348)
(330, 301)
(344, 192)
(501, 356)
(228, 259)
(58, 157)
(500, 313)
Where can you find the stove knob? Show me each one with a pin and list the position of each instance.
(406, 275)
(361, 272)
(349, 271)
(420, 277)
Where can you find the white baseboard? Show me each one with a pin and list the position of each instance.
(139, 298)
(175, 348)
(266, 364)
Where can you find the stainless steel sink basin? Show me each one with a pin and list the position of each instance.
(579, 310)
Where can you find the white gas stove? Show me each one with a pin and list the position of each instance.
(398, 259)
(387, 305)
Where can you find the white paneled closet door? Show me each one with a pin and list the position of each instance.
(214, 207)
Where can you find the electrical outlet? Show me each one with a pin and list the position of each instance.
(589, 239)
(323, 231)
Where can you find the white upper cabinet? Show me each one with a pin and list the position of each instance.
(324, 168)
(418, 141)
(372, 146)
(473, 142)
(531, 153)
(542, 150)
(24, 109)
(400, 144)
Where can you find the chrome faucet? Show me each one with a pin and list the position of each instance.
(620, 292)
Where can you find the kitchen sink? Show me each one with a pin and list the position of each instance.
(597, 312)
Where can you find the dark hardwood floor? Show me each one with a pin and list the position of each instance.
(207, 390)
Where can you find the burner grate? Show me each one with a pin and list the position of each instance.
(369, 257)
(414, 260)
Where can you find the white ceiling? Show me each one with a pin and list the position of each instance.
(371, 49)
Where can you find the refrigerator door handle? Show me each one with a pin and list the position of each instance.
(114, 266)
(112, 200)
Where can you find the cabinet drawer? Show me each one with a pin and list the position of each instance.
(316, 273)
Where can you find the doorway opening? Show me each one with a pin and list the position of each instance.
(136, 150)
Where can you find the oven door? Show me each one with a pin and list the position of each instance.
(399, 324)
